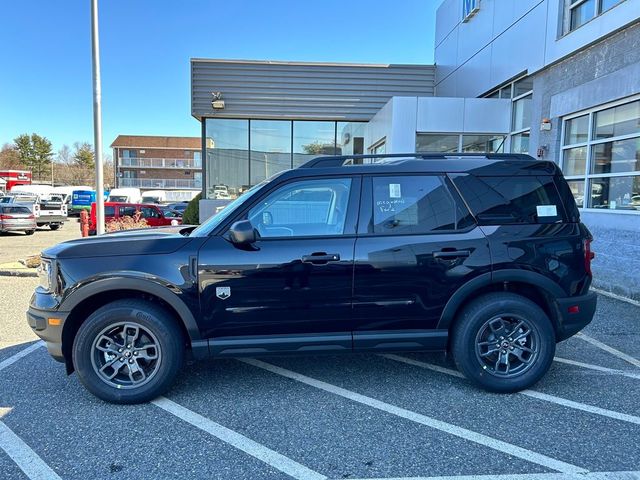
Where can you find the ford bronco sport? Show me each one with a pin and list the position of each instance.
(480, 255)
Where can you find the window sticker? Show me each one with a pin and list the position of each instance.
(394, 190)
(547, 210)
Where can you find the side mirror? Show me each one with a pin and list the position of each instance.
(242, 233)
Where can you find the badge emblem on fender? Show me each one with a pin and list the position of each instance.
(223, 292)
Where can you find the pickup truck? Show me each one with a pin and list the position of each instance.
(49, 209)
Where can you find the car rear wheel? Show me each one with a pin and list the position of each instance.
(29, 232)
(503, 342)
(128, 351)
(54, 227)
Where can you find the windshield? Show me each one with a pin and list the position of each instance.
(118, 198)
(206, 228)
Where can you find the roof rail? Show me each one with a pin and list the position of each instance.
(343, 160)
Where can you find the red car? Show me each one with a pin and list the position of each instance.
(155, 215)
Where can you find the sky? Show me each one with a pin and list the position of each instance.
(45, 55)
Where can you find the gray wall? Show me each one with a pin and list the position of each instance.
(294, 90)
(604, 72)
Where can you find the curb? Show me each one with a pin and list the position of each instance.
(18, 273)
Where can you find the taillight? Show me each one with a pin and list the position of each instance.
(588, 255)
(4, 217)
(31, 217)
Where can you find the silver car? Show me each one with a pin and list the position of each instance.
(17, 218)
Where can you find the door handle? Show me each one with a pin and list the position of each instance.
(321, 257)
(451, 254)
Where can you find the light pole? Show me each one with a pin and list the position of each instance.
(97, 117)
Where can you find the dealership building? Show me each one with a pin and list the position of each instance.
(558, 79)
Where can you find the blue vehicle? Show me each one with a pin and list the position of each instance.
(82, 200)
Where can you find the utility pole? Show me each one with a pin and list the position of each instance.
(97, 118)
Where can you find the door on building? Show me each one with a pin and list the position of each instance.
(295, 282)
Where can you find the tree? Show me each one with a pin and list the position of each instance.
(10, 158)
(34, 151)
(191, 215)
(64, 155)
(83, 154)
(318, 148)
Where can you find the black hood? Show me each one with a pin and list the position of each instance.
(144, 241)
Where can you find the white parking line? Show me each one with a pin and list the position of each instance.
(528, 476)
(251, 447)
(598, 368)
(22, 353)
(29, 461)
(529, 393)
(607, 348)
(484, 440)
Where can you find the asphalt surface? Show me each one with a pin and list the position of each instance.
(351, 416)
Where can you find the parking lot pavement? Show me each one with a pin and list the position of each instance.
(17, 245)
(352, 416)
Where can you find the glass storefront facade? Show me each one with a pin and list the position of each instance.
(242, 153)
(601, 156)
(456, 143)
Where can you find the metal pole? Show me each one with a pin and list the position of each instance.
(97, 118)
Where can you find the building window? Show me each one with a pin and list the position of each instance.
(521, 94)
(270, 148)
(379, 148)
(350, 138)
(227, 143)
(601, 156)
(579, 12)
(312, 139)
(455, 143)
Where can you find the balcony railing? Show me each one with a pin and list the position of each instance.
(160, 183)
(185, 163)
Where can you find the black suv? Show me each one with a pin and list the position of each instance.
(480, 255)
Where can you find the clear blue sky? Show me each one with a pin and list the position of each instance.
(45, 55)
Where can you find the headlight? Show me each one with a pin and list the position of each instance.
(45, 274)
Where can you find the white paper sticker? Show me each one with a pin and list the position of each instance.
(547, 210)
(394, 190)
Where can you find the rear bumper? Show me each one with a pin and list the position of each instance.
(572, 323)
(16, 227)
(47, 219)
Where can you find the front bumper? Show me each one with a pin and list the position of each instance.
(47, 322)
(575, 313)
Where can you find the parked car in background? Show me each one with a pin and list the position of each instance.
(16, 218)
(153, 214)
(126, 195)
(178, 207)
(48, 209)
(483, 256)
(154, 196)
(82, 200)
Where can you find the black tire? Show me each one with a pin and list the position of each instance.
(482, 322)
(29, 232)
(54, 227)
(155, 325)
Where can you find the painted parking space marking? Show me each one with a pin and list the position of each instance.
(528, 476)
(445, 427)
(603, 346)
(22, 353)
(529, 393)
(239, 441)
(27, 460)
(598, 368)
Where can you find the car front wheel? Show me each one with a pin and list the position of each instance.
(503, 342)
(128, 351)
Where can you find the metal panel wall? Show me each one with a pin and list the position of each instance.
(293, 90)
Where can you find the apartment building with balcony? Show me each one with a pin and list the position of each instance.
(158, 163)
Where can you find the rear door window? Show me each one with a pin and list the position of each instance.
(109, 211)
(415, 204)
(127, 211)
(509, 200)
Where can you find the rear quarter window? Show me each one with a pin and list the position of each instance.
(512, 200)
(16, 210)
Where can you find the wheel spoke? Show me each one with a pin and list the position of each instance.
(143, 352)
(130, 338)
(136, 370)
(115, 365)
(489, 352)
(107, 345)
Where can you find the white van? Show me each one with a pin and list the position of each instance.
(125, 195)
(154, 196)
